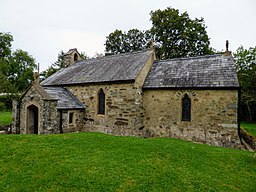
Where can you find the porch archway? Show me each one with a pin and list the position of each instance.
(32, 119)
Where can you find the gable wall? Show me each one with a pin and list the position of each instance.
(213, 115)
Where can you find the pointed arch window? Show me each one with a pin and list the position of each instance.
(186, 108)
(101, 102)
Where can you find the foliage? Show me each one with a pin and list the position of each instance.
(6, 101)
(122, 42)
(174, 35)
(16, 68)
(5, 117)
(5, 44)
(249, 127)
(99, 162)
(245, 60)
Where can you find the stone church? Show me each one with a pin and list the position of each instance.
(133, 94)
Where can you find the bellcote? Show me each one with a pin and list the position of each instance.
(71, 57)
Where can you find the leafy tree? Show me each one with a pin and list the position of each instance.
(174, 35)
(121, 42)
(16, 68)
(19, 70)
(5, 45)
(246, 69)
(5, 52)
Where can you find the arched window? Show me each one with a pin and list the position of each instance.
(101, 102)
(75, 57)
(186, 108)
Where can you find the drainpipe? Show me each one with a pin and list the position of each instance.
(61, 131)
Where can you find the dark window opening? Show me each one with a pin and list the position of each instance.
(70, 118)
(75, 57)
(101, 102)
(186, 108)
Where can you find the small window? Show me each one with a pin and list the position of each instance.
(71, 118)
(186, 108)
(101, 102)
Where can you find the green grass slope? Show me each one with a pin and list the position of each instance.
(99, 162)
(249, 127)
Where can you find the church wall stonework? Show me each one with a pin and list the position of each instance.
(213, 116)
(76, 125)
(123, 108)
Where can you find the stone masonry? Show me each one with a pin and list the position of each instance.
(213, 115)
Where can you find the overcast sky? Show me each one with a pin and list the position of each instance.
(45, 27)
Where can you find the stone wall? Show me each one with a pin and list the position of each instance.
(122, 108)
(15, 117)
(76, 125)
(213, 116)
(48, 117)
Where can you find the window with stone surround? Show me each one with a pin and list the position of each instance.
(186, 108)
(71, 117)
(101, 102)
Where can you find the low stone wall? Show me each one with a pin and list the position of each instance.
(250, 140)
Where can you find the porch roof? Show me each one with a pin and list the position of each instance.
(66, 100)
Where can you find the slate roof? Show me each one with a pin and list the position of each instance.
(119, 67)
(66, 100)
(202, 71)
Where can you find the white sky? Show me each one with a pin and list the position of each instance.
(45, 27)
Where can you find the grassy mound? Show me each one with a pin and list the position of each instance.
(99, 162)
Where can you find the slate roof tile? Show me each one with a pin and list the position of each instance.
(202, 71)
(66, 100)
(119, 67)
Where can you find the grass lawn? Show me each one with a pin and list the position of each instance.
(99, 162)
(5, 117)
(249, 127)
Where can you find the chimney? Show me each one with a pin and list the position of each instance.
(227, 52)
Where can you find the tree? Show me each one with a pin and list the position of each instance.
(246, 69)
(122, 42)
(5, 52)
(16, 68)
(174, 35)
(5, 45)
(19, 69)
